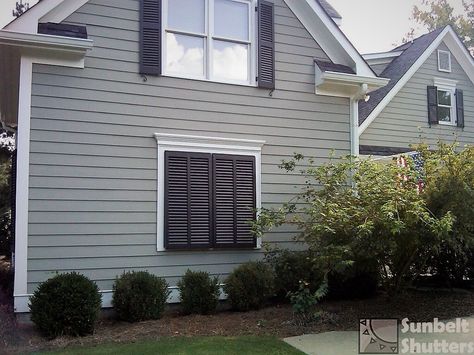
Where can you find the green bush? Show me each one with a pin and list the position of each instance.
(67, 304)
(250, 285)
(139, 296)
(199, 292)
(358, 281)
(291, 268)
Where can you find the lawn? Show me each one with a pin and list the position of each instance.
(193, 345)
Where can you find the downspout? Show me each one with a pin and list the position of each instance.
(354, 113)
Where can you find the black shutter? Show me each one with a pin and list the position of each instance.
(234, 200)
(188, 199)
(460, 108)
(150, 37)
(433, 105)
(266, 45)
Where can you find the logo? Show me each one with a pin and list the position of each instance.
(378, 336)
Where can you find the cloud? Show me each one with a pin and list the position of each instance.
(185, 56)
(230, 61)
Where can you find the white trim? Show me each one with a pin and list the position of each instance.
(328, 35)
(452, 107)
(456, 47)
(63, 11)
(203, 144)
(354, 117)
(22, 184)
(440, 51)
(208, 41)
(445, 82)
(382, 55)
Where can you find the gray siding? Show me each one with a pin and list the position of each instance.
(93, 166)
(404, 120)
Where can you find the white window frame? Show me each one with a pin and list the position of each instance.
(203, 144)
(439, 61)
(449, 86)
(209, 37)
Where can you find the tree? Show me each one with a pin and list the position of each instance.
(435, 14)
(20, 8)
(361, 210)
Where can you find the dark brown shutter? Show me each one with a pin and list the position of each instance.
(266, 45)
(433, 105)
(150, 37)
(460, 108)
(234, 200)
(188, 200)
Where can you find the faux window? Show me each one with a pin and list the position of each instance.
(210, 40)
(444, 61)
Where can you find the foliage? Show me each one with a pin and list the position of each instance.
(6, 280)
(6, 233)
(435, 14)
(249, 286)
(20, 8)
(304, 301)
(139, 296)
(67, 304)
(199, 292)
(360, 209)
(292, 267)
(7, 144)
(450, 188)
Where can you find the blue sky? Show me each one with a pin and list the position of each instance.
(372, 25)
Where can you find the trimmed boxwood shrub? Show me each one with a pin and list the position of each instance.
(67, 304)
(250, 285)
(199, 292)
(139, 296)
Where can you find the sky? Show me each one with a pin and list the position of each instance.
(371, 25)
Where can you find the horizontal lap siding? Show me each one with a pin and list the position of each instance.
(93, 163)
(405, 119)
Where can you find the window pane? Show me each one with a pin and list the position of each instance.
(231, 19)
(444, 98)
(230, 61)
(186, 15)
(184, 54)
(444, 114)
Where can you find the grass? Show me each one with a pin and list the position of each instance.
(193, 345)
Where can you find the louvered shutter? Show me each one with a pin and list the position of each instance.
(188, 198)
(460, 108)
(234, 200)
(266, 45)
(433, 105)
(150, 37)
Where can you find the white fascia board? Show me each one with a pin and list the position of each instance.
(401, 83)
(44, 11)
(382, 55)
(328, 35)
(460, 52)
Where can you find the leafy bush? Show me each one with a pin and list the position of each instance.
(250, 285)
(139, 296)
(199, 292)
(67, 304)
(304, 301)
(6, 279)
(291, 268)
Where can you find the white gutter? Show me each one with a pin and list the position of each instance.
(382, 55)
(352, 79)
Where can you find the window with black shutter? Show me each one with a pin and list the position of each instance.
(209, 200)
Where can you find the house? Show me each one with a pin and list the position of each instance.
(148, 131)
(430, 96)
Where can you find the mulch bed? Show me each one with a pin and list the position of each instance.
(276, 320)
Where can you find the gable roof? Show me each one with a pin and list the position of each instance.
(403, 67)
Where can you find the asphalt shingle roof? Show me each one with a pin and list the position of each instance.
(329, 66)
(396, 69)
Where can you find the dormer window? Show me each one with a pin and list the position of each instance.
(444, 61)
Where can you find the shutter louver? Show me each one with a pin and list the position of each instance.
(432, 105)
(460, 108)
(266, 45)
(234, 201)
(188, 196)
(150, 37)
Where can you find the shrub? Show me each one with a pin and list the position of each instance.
(304, 301)
(199, 292)
(139, 296)
(67, 304)
(291, 268)
(249, 286)
(6, 279)
(357, 281)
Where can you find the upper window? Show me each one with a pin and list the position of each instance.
(210, 40)
(444, 61)
(446, 106)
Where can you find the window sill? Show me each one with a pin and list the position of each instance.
(228, 82)
(448, 124)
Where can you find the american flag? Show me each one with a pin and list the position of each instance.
(418, 164)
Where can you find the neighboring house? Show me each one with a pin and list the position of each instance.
(430, 96)
(148, 131)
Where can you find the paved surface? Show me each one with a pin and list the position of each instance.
(347, 343)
